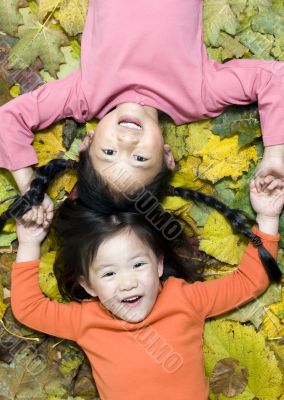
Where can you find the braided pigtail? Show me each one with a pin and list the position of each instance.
(241, 223)
(35, 195)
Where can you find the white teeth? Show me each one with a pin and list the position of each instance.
(130, 125)
(131, 298)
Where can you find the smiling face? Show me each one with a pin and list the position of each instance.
(124, 267)
(126, 153)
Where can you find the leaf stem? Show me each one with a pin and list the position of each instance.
(18, 336)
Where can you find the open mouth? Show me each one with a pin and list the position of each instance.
(132, 300)
(130, 122)
(130, 125)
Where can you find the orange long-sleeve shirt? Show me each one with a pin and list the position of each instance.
(158, 357)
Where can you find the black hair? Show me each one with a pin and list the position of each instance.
(35, 195)
(94, 194)
(81, 231)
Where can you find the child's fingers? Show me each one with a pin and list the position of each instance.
(258, 183)
(276, 183)
(48, 215)
(40, 216)
(252, 184)
(27, 216)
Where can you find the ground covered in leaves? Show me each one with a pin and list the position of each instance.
(244, 349)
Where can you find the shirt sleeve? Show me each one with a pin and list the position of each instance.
(34, 111)
(247, 282)
(32, 308)
(245, 81)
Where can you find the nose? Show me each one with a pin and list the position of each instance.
(127, 282)
(127, 137)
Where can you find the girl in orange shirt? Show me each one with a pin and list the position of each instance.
(136, 317)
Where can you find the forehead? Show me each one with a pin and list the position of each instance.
(122, 246)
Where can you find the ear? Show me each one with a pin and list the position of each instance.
(84, 284)
(161, 266)
(169, 157)
(87, 141)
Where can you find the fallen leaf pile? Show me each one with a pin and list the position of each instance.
(244, 349)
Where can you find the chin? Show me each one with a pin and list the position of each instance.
(136, 319)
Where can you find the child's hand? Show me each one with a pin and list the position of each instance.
(268, 202)
(271, 164)
(30, 233)
(33, 227)
(41, 214)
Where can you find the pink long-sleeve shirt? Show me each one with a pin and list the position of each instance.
(159, 357)
(146, 52)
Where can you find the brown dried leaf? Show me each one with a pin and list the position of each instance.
(228, 378)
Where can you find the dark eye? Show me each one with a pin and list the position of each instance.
(139, 264)
(107, 274)
(140, 158)
(109, 152)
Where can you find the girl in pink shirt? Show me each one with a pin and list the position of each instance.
(140, 59)
(132, 312)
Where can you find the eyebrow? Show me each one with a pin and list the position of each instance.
(100, 267)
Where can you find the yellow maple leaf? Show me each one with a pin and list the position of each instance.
(91, 125)
(3, 306)
(10, 226)
(48, 144)
(72, 15)
(47, 280)
(46, 6)
(173, 204)
(272, 326)
(219, 241)
(227, 339)
(199, 134)
(222, 158)
(279, 351)
(187, 177)
(64, 182)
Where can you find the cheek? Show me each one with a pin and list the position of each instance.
(151, 279)
(106, 291)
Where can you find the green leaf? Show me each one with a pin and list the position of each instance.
(176, 137)
(10, 17)
(243, 121)
(232, 48)
(38, 40)
(260, 45)
(218, 16)
(6, 239)
(269, 22)
(5, 95)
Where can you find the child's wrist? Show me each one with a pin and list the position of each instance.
(276, 150)
(28, 251)
(23, 178)
(268, 224)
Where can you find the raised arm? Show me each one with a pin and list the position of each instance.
(247, 282)
(28, 303)
(36, 311)
(245, 81)
(36, 110)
